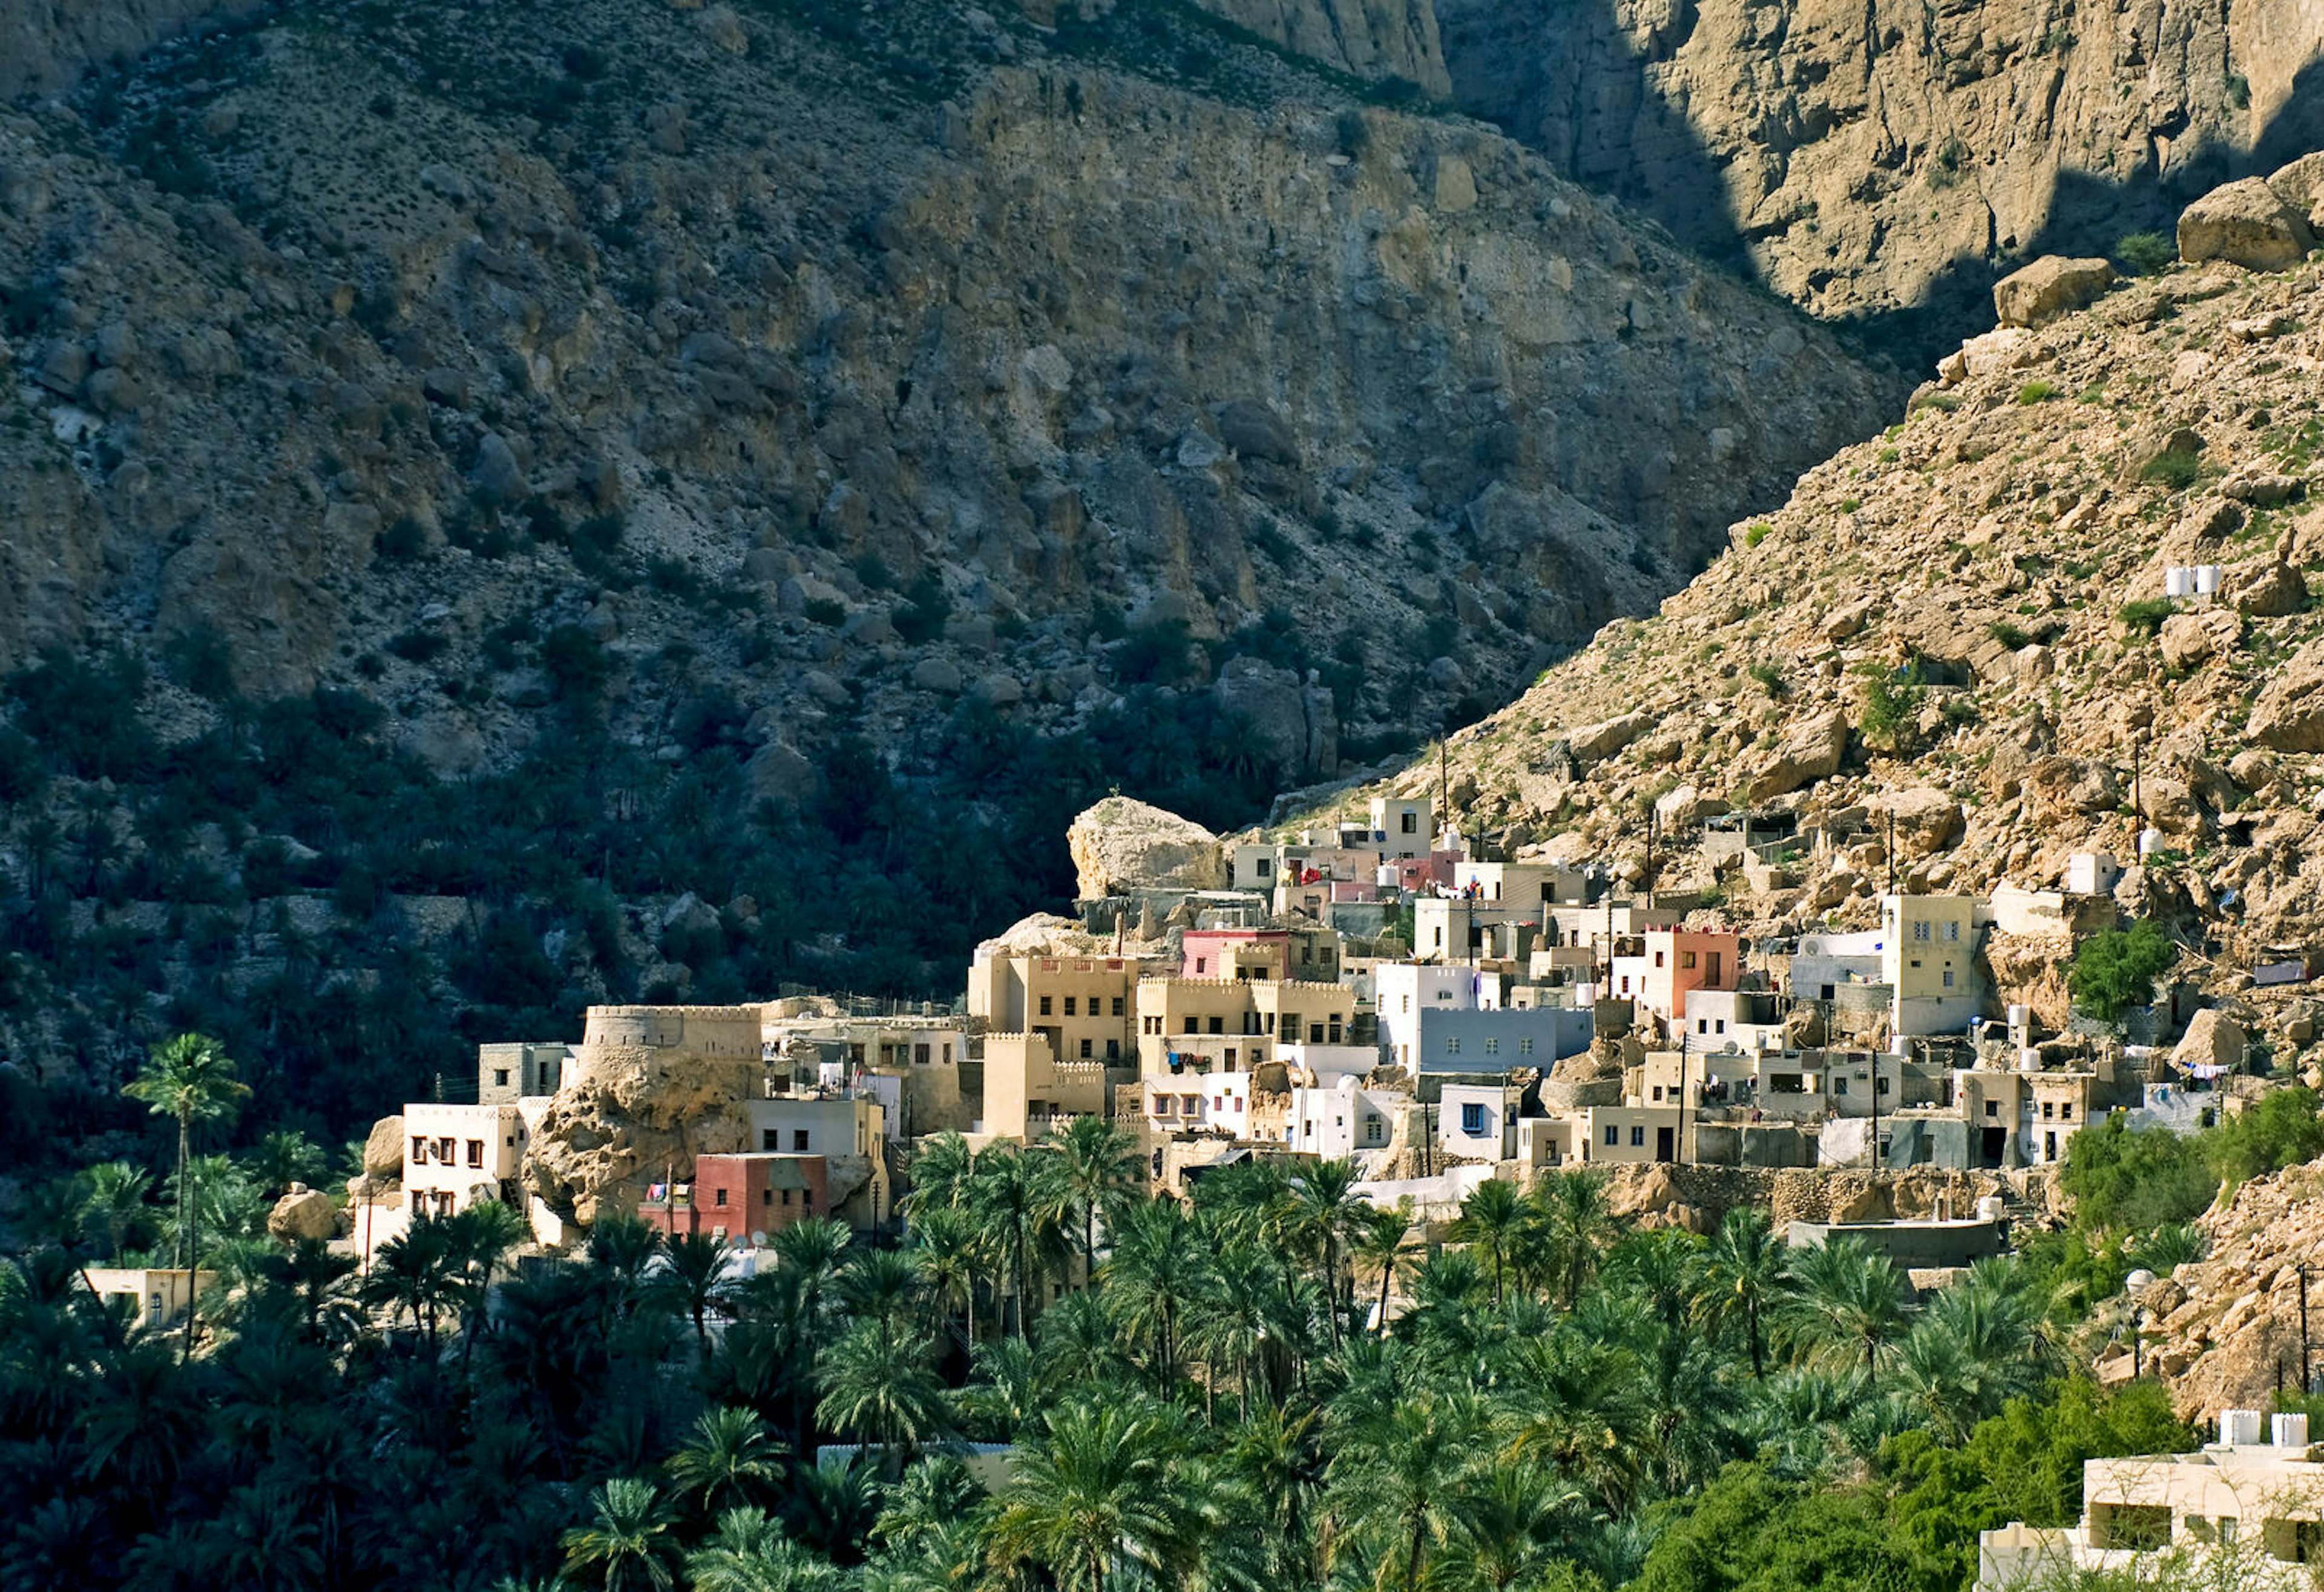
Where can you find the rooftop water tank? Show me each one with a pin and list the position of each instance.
(2290, 1431)
(2239, 1426)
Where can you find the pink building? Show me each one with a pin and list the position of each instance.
(1671, 963)
(1236, 953)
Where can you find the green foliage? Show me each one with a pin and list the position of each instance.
(921, 618)
(2279, 1130)
(85, 711)
(1770, 678)
(2008, 635)
(1757, 534)
(1751, 1532)
(2145, 252)
(575, 664)
(1892, 698)
(2130, 1179)
(2037, 391)
(827, 611)
(2115, 969)
(2025, 1464)
(2145, 615)
(2177, 469)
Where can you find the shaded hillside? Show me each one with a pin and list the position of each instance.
(1884, 163)
(478, 477)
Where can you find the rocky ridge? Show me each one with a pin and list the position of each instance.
(344, 361)
(1896, 156)
(1962, 626)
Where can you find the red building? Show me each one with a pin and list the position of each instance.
(738, 1197)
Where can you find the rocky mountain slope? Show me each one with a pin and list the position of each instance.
(510, 507)
(817, 314)
(1963, 624)
(1896, 157)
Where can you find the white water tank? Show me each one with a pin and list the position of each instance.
(2178, 581)
(2149, 840)
(2290, 1431)
(1988, 1209)
(2029, 1059)
(2239, 1428)
(2017, 1011)
(2207, 580)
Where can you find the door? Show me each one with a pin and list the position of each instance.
(1995, 1141)
(1714, 970)
(1665, 1143)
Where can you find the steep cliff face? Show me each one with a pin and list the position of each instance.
(1895, 156)
(46, 44)
(818, 330)
(1378, 38)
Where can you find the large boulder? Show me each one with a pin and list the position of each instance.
(2289, 715)
(2246, 222)
(1927, 820)
(2301, 186)
(383, 1149)
(1120, 846)
(303, 1213)
(2192, 639)
(1814, 750)
(2050, 287)
(1594, 743)
(1291, 723)
(2213, 1039)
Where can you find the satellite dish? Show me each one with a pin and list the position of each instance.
(758, 1240)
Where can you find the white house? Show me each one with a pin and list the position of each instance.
(1338, 1123)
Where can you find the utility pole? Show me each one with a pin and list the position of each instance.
(1891, 851)
(2304, 1330)
(1680, 1146)
(1650, 856)
(1876, 1111)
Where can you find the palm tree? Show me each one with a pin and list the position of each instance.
(940, 1169)
(881, 1285)
(806, 1256)
(694, 1280)
(480, 1237)
(1227, 1321)
(1576, 1226)
(191, 1079)
(1379, 1247)
(1021, 1219)
(629, 1542)
(1329, 1214)
(418, 1270)
(282, 1158)
(317, 1279)
(623, 1246)
(1747, 1279)
(1395, 1482)
(1506, 1527)
(113, 1202)
(1104, 1485)
(1850, 1305)
(1490, 1219)
(730, 1459)
(752, 1553)
(1094, 1167)
(944, 1248)
(1157, 1264)
(878, 1389)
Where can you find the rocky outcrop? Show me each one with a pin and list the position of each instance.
(1378, 39)
(2037, 294)
(632, 1115)
(45, 44)
(1868, 159)
(382, 1156)
(2245, 224)
(1964, 622)
(1121, 846)
(303, 1214)
(2221, 1329)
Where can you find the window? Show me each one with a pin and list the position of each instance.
(1952, 931)
(1948, 978)
(920, 1055)
(1472, 1118)
(1453, 1045)
(1880, 1086)
(2048, 1110)
(500, 1078)
(1993, 1108)
(769, 1140)
(1408, 823)
(1613, 1135)
(948, 1050)
(1659, 1094)
(1686, 958)
(1085, 1050)
(1117, 1006)
(1702, 1025)
(1166, 1105)
(1637, 1138)
(1839, 1086)
(1315, 1034)
(444, 1150)
(1921, 932)
(475, 1152)
(718, 1196)
(1407, 1003)
(2066, 1111)
(806, 1199)
(786, 1197)
(1218, 1025)
(419, 1150)
(767, 1196)
(1492, 1047)
(1045, 1005)
(1202, 966)
(799, 1141)
(1372, 1130)
(1152, 1025)
(1658, 959)
(1525, 1047)
(1113, 1050)
(1069, 1006)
